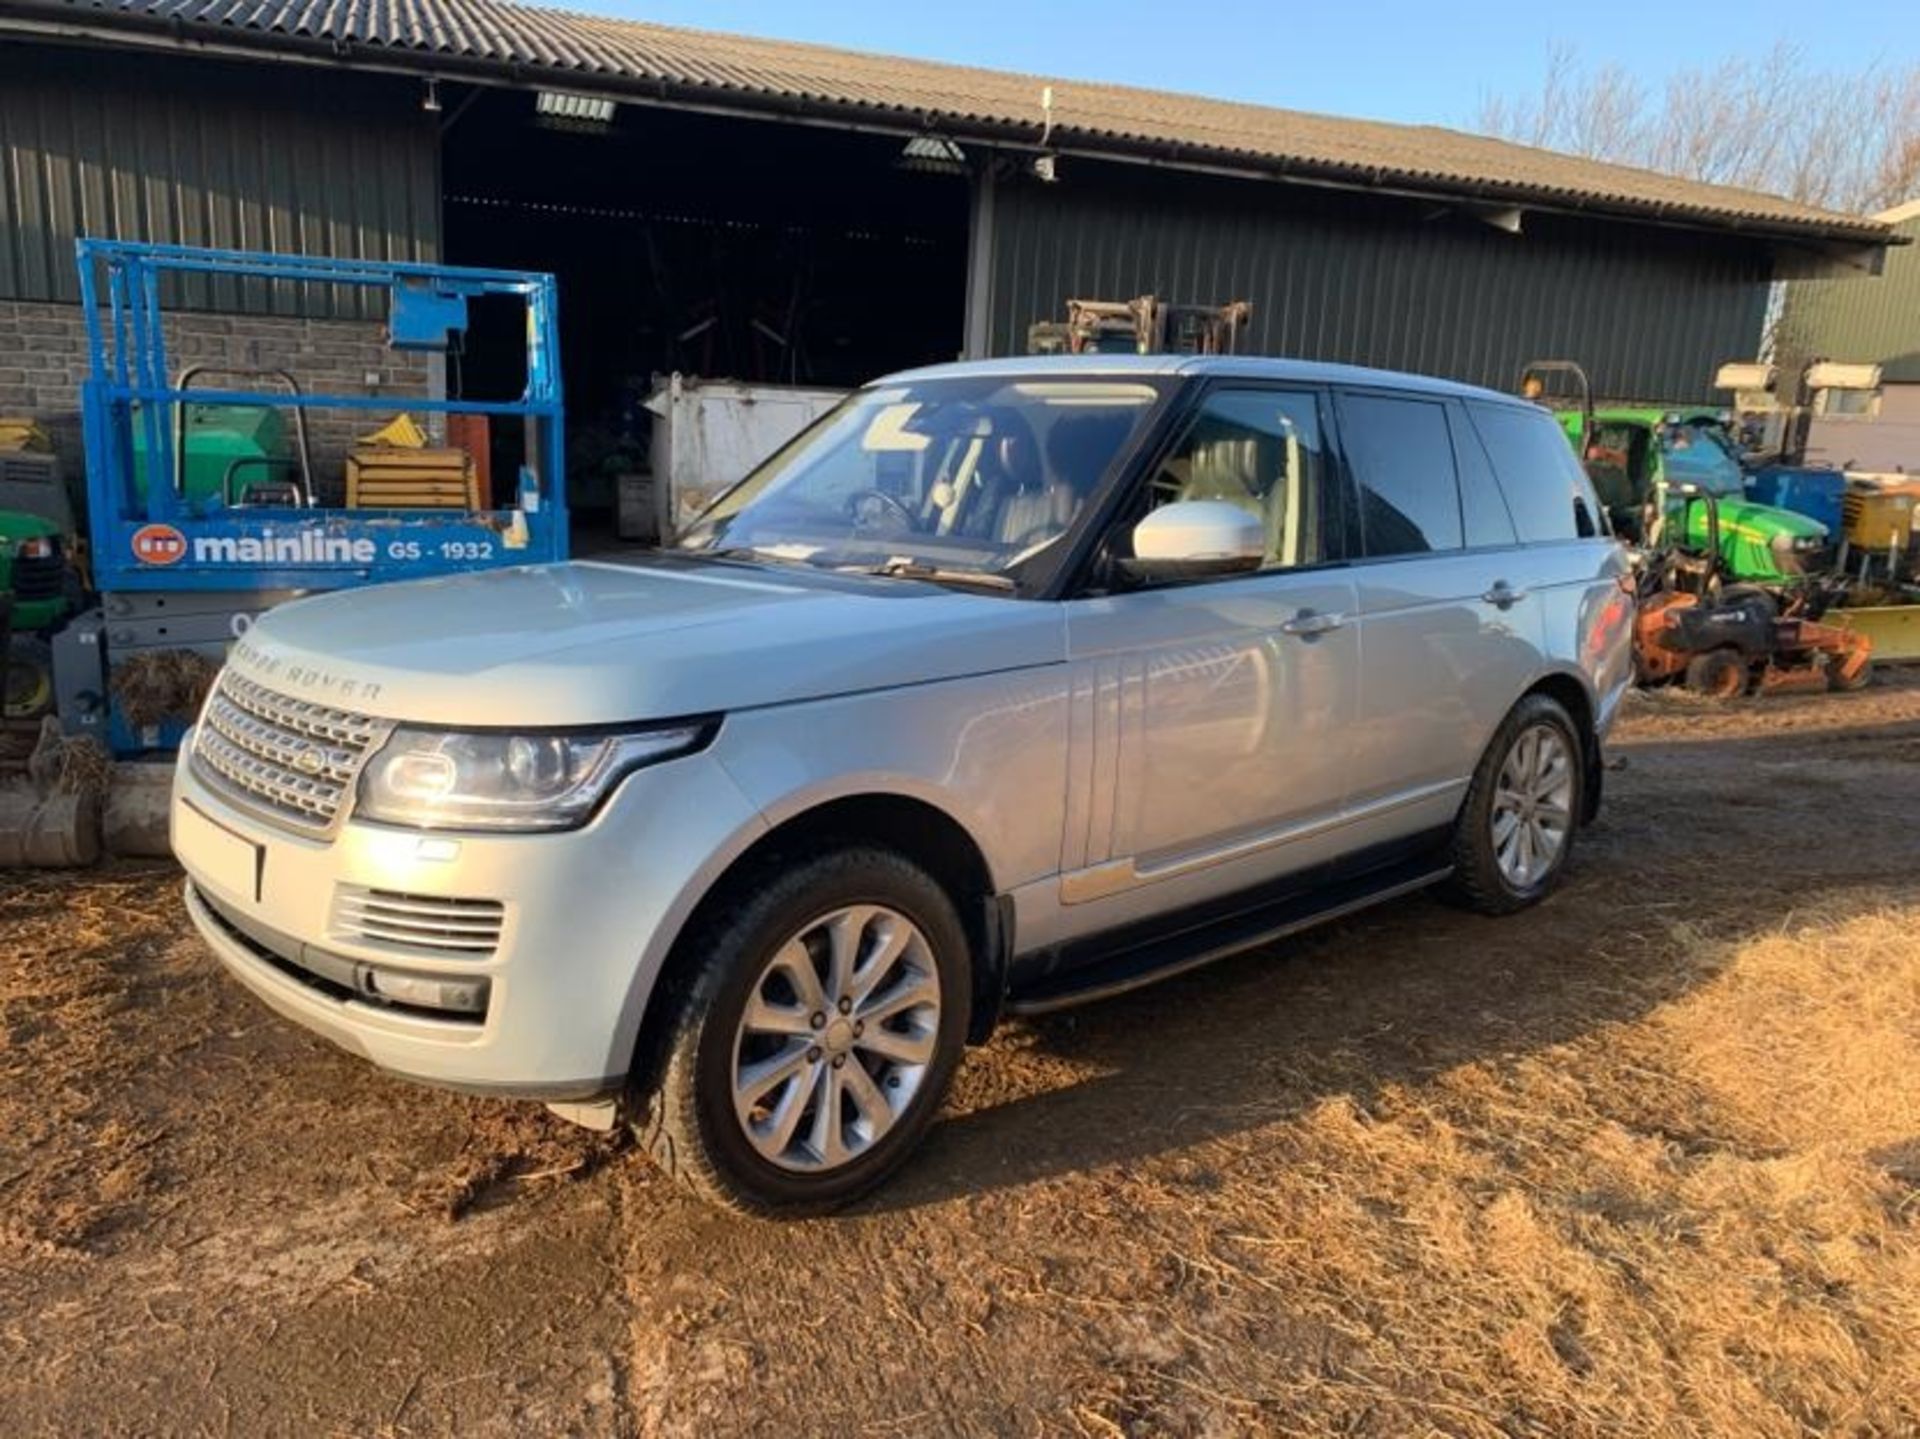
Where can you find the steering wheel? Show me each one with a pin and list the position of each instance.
(873, 509)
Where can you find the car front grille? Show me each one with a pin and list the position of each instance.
(287, 759)
(418, 923)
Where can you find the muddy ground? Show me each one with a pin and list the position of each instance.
(1644, 1160)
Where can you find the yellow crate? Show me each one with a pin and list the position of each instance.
(381, 477)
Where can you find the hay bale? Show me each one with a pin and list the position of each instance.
(155, 686)
(68, 764)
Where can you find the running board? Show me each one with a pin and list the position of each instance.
(1149, 961)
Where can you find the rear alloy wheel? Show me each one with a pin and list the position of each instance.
(1533, 805)
(821, 1011)
(1516, 827)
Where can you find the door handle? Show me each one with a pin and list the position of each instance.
(1503, 595)
(1309, 623)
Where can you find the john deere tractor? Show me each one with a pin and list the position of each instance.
(36, 570)
(33, 572)
(1640, 458)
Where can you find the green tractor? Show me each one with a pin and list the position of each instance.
(1639, 457)
(1646, 461)
(38, 583)
(33, 578)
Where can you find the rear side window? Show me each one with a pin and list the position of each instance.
(1547, 492)
(1481, 506)
(1402, 457)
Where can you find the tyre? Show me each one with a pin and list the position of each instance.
(1839, 684)
(1719, 674)
(821, 1010)
(1516, 828)
(28, 691)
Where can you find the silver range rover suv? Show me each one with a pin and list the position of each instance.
(1004, 686)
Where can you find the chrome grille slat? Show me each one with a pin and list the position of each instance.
(289, 760)
(409, 940)
(239, 728)
(316, 721)
(418, 922)
(393, 900)
(420, 918)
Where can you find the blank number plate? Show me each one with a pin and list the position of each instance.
(216, 855)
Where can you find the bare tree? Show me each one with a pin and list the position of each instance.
(1847, 141)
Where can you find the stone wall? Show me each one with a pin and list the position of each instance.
(43, 358)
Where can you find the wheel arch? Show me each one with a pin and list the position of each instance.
(1572, 693)
(912, 826)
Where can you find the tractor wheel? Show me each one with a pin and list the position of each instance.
(29, 679)
(1840, 684)
(1720, 674)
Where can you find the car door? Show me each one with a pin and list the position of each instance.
(1210, 719)
(1572, 569)
(1448, 625)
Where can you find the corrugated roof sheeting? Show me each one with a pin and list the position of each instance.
(1649, 315)
(774, 74)
(1874, 321)
(201, 154)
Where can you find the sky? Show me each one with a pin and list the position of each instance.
(1431, 62)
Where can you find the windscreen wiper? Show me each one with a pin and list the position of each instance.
(758, 553)
(901, 567)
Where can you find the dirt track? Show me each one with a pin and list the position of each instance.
(1644, 1160)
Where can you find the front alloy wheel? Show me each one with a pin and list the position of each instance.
(811, 1023)
(837, 1037)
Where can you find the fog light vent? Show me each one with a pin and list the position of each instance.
(418, 923)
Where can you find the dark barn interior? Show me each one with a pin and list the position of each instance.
(707, 244)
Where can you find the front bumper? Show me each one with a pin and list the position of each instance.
(551, 1010)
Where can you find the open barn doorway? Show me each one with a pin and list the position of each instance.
(714, 246)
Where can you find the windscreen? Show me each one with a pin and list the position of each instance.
(1699, 452)
(969, 476)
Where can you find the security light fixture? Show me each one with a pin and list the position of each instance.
(584, 110)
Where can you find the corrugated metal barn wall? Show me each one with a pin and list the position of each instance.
(1382, 281)
(200, 153)
(1868, 321)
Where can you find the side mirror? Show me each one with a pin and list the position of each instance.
(1196, 539)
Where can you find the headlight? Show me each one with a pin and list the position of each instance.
(41, 547)
(439, 779)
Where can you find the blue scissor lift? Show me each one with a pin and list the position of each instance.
(179, 566)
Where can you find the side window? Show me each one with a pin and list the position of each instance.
(1260, 450)
(1482, 509)
(1548, 492)
(1402, 457)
